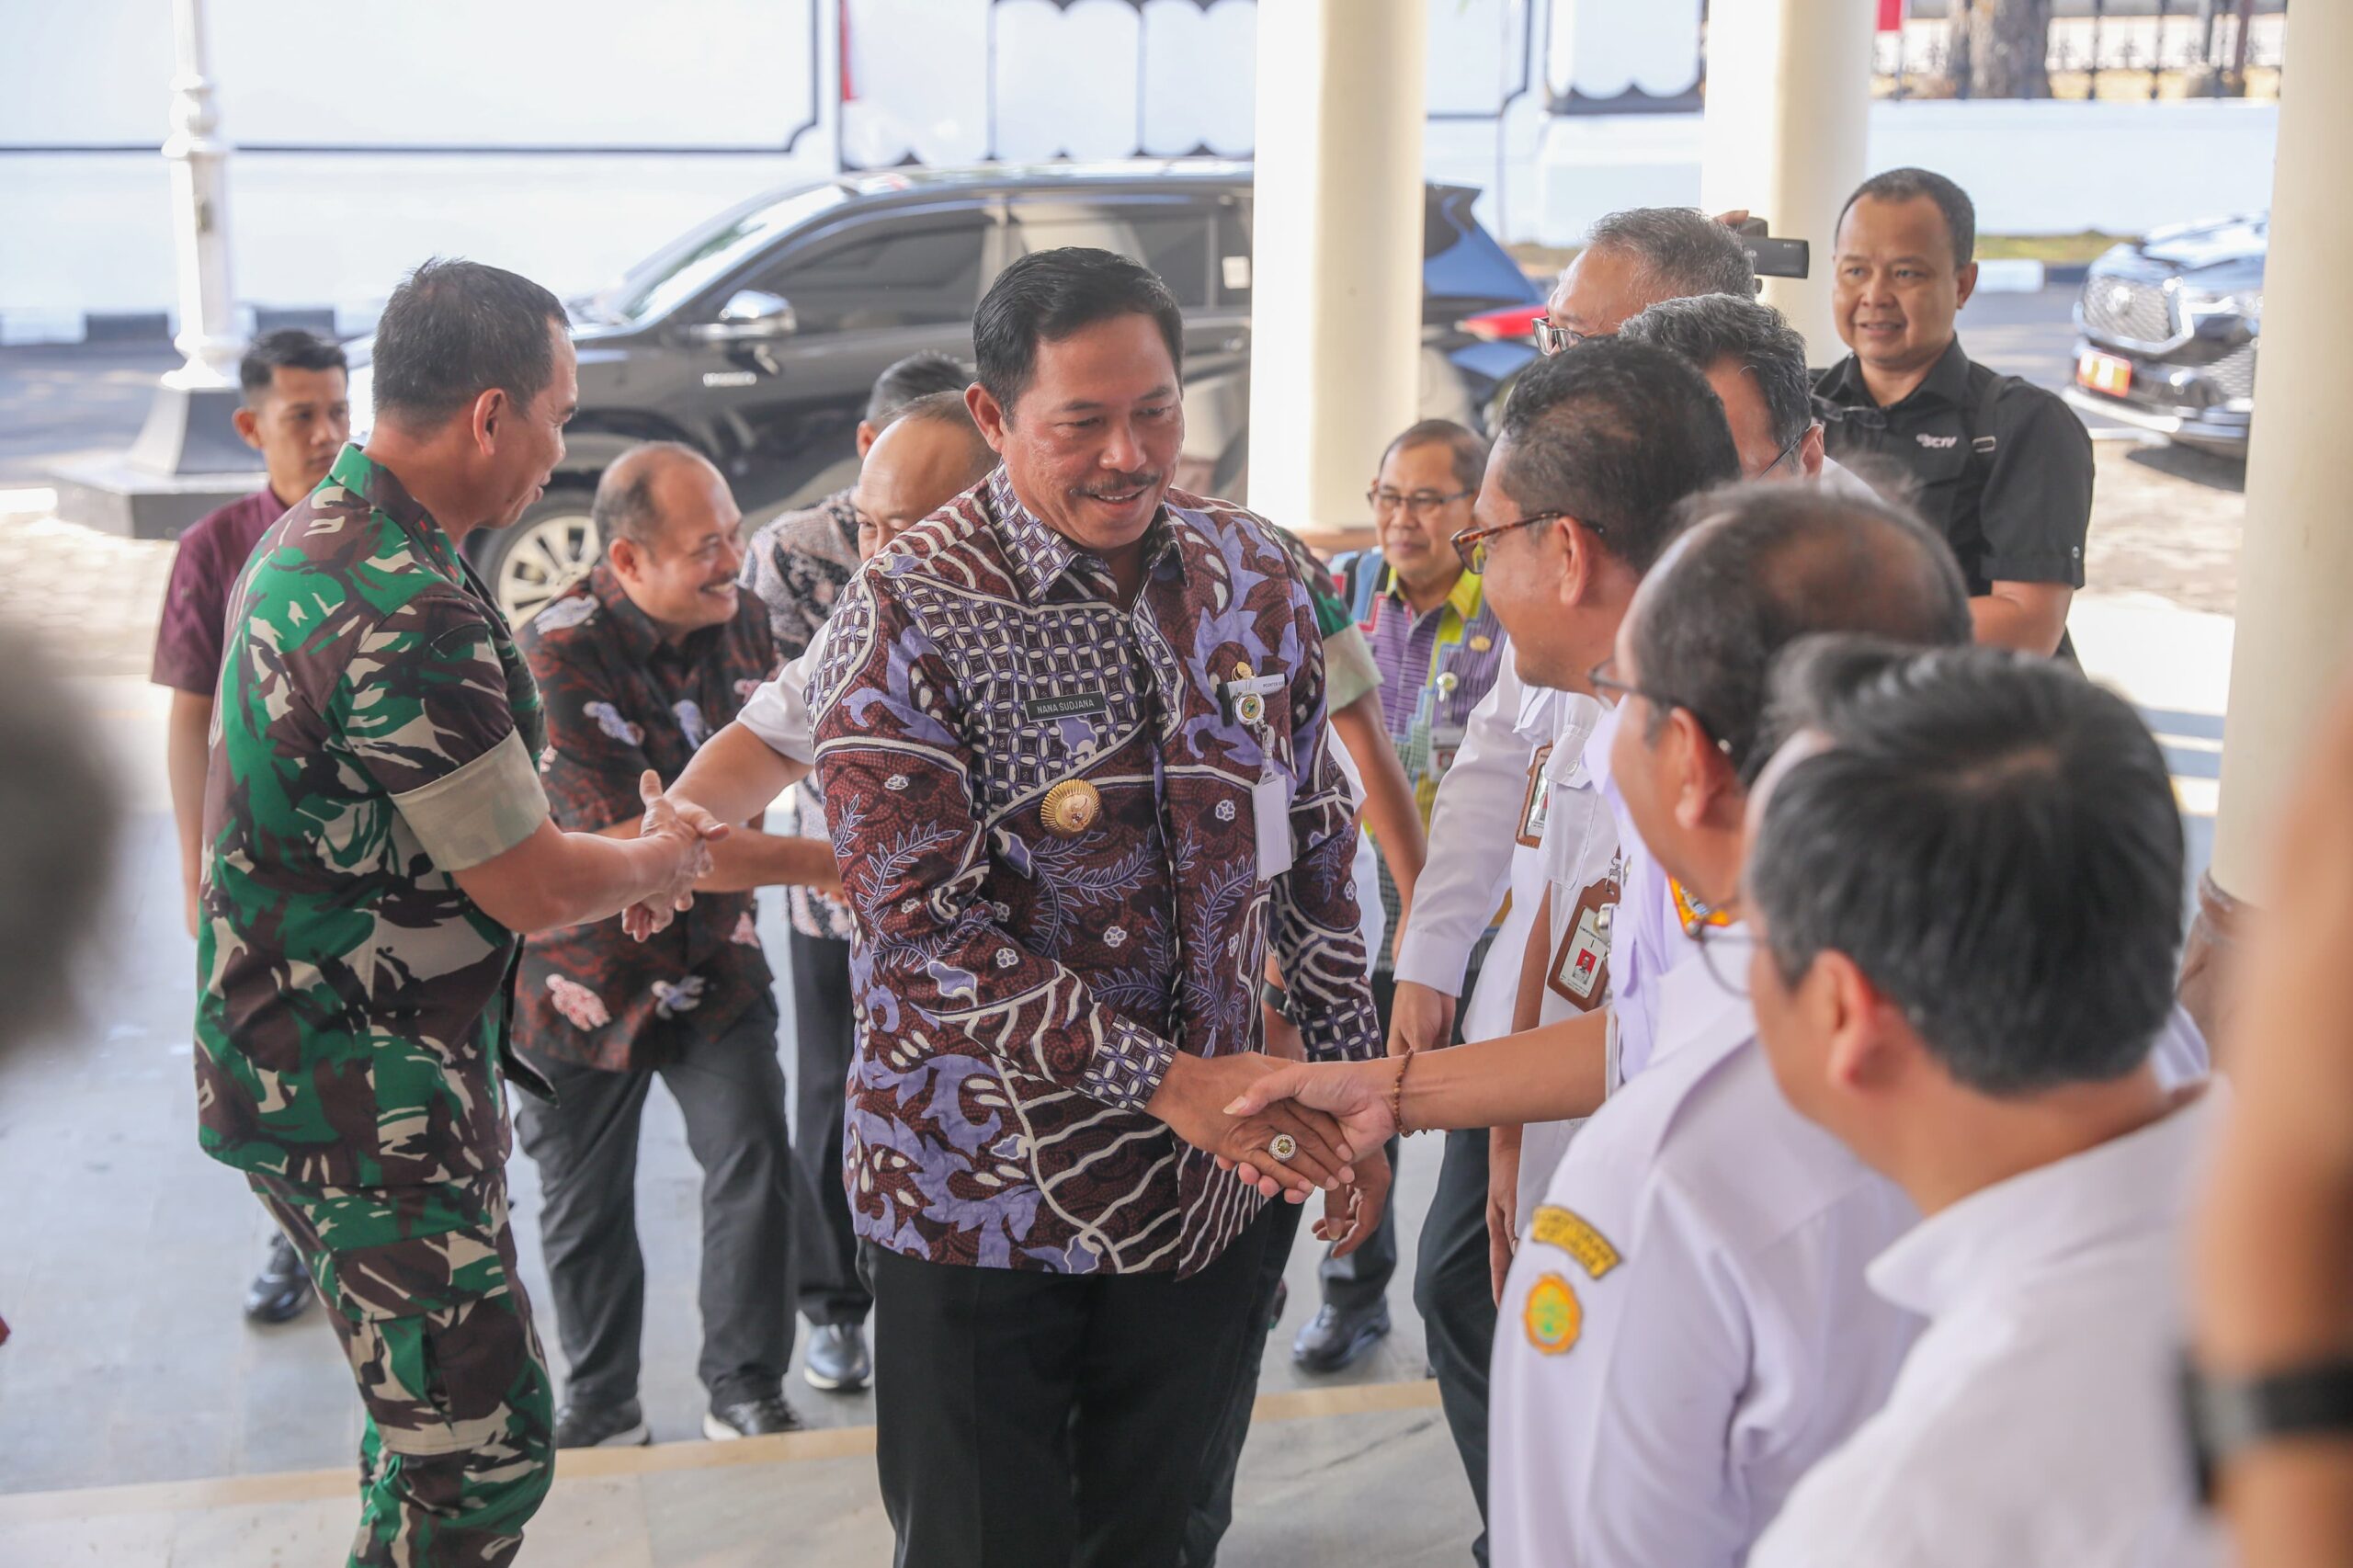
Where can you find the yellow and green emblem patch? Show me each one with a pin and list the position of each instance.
(1553, 1316)
(1557, 1227)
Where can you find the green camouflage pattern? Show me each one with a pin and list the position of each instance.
(458, 1447)
(345, 1030)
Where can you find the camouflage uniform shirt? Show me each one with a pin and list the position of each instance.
(620, 701)
(375, 734)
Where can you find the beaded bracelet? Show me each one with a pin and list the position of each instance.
(1397, 1093)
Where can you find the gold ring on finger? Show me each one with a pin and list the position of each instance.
(1283, 1147)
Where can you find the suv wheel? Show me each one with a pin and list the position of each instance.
(548, 550)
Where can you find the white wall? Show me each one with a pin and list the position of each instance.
(2031, 168)
(86, 232)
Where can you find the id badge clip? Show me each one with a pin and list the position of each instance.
(1579, 972)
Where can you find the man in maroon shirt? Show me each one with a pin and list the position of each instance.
(297, 414)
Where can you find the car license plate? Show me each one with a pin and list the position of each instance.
(2105, 373)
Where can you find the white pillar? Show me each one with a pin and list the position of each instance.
(1784, 134)
(2295, 613)
(199, 158)
(1336, 270)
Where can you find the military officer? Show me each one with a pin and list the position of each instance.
(378, 840)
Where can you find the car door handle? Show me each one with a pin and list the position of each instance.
(1235, 344)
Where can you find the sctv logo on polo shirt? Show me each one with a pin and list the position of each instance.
(1937, 443)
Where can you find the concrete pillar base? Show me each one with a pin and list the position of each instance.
(2209, 960)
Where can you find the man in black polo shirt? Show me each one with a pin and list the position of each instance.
(2003, 468)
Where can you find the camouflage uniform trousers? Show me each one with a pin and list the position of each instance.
(458, 1449)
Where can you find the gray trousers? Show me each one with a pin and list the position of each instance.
(731, 1089)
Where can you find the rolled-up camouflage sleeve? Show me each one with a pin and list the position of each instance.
(424, 710)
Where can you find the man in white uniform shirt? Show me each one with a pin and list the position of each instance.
(1939, 820)
(1684, 1328)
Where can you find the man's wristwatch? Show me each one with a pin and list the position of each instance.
(1277, 1001)
(2228, 1414)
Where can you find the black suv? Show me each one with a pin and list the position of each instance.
(756, 338)
(2169, 326)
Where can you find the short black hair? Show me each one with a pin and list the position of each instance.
(1705, 328)
(292, 348)
(918, 375)
(1994, 841)
(453, 330)
(1464, 445)
(1904, 185)
(949, 409)
(1048, 295)
(1677, 250)
(1764, 563)
(1614, 434)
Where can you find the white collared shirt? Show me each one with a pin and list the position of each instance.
(1475, 857)
(1686, 1329)
(778, 713)
(2035, 1420)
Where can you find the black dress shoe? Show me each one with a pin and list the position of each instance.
(602, 1427)
(1338, 1336)
(750, 1418)
(282, 1288)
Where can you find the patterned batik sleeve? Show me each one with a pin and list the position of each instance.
(425, 712)
(1317, 938)
(595, 754)
(914, 863)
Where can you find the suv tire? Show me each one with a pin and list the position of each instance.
(549, 549)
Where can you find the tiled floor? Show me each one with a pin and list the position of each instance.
(123, 1252)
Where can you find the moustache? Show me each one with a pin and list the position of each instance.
(1144, 480)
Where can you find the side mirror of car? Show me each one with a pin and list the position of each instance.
(751, 315)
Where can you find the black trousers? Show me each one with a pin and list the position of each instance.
(731, 1090)
(1456, 1297)
(1033, 1420)
(1360, 1280)
(825, 1029)
(1212, 1513)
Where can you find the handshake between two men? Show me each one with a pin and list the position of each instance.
(1233, 1106)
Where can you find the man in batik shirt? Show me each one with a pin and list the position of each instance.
(1072, 735)
(641, 662)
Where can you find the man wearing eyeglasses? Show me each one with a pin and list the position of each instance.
(1684, 1327)
(1439, 648)
(1635, 258)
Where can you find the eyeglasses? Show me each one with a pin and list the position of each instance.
(1786, 453)
(1605, 683)
(1420, 504)
(1552, 339)
(1726, 959)
(1471, 544)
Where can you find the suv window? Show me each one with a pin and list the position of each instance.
(889, 272)
(1172, 237)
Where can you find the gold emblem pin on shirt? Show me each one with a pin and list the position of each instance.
(1070, 808)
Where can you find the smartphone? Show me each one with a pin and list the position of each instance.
(1775, 259)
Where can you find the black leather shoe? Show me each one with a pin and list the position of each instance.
(1335, 1336)
(750, 1418)
(837, 1360)
(282, 1288)
(607, 1426)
